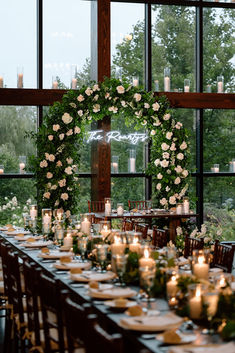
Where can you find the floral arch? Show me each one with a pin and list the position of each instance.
(63, 130)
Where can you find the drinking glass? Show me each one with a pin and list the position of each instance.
(82, 246)
(120, 262)
(147, 276)
(102, 250)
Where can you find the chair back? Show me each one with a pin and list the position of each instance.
(139, 205)
(95, 206)
(160, 237)
(142, 228)
(191, 244)
(127, 224)
(51, 313)
(223, 256)
(102, 341)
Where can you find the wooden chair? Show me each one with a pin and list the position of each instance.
(127, 224)
(191, 244)
(102, 341)
(139, 205)
(142, 228)
(223, 256)
(95, 206)
(160, 237)
(53, 328)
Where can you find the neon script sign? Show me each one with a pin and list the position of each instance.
(132, 138)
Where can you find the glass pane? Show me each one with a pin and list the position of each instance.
(66, 42)
(218, 49)
(127, 40)
(173, 47)
(219, 207)
(21, 189)
(18, 42)
(85, 194)
(15, 148)
(124, 189)
(219, 140)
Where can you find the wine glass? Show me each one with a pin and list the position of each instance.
(120, 261)
(147, 277)
(102, 250)
(82, 246)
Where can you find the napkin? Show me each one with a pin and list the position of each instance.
(112, 293)
(152, 323)
(92, 276)
(37, 244)
(213, 348)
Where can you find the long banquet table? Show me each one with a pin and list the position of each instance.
(133, 341)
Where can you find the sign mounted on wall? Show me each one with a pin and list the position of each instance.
(132, 138)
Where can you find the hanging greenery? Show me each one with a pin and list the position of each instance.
(63, 131)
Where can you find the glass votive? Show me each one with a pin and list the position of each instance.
(179, 208)
(132, 161)
(119, 245)
(46, 220)
(172, 302)
(223, 280)
(186, 205)
(107, 206)
(171, 286)
(186, 85)
(118, 73)
(114, 164)
(195, 300)
(58, 214)
(215, 168)
(220, 84)
(59, 232)
(208, 88)
(232, 166)
(33, 211)
(1, 81)
(135, 81)
(105, 229)
(22, 164)
(147, 277)
(120, 208)
(119, 266)
(201, 264)
(156, 86)
(101, 251)
(85, 223)
(20, 76)
(82, 246)
(55, 83)
(167, 79)
(1, 169)
(26, 218)
(210, 300)
(74, 80)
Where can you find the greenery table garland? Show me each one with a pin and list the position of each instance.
(63, 132)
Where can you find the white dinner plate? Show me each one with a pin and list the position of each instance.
(112, 304)
(88, 276)
(185, 338)
(70, 265)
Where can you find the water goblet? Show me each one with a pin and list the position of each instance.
(82, 246)
(102, 250)
(147, 277)
(120, 261)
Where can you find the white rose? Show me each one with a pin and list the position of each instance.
(146, 105)
(96, 87)
(185, 173)
(178, 125)
(77, 130)
(62, 182)
(47, 195)
(49, 175)
(54, 187)
(70, 132)
(153, 132)
(155, 106)
(67, 118)
(165, 155)
(159, 186)
(73, 105)
(159, 176)
(178, 169)
(61, 136)
(168, 171)
(107, 95)
(64, 196)
(166, 116)
(180, 156)
(169, 135)
(68, 214)
(69, 160)
(157, 162)
(56, 127)
(164, 163)
(59, 164)
(96, 97)
(144, 122)
(80, 98)
(80, 112)
(172, 200)
(167, 188)
(68, 170)
(183, 146)
(179, 231)
(123, 103)
(137, 97)
(43, 164)
(50, 137)
(163, 201)
(96, 108)
(51, 157)
(120, 89)
(177, 181)
(165, 146)
(88, 91)
(172, 148)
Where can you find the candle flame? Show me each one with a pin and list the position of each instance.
(198, 292)
(105, 227)
(222, 282)
(146, 253)
(135, 240)
(85, 219)
(173, 278)
(201, 260)
(117, 239)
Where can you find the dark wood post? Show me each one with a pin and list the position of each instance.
(100, 68)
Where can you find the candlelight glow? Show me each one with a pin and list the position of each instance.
(117, 239)
(105, 227)
(146, 253)
(222, 282)
(135, 240)
(201, 260)
(173, 278)
(198, 292)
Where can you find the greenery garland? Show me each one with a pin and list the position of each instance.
(63, 131)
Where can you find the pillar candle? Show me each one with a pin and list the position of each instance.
(1, 82)
(1, 170)
(186, 88)
(107, 208)
(120, 211)
(68, 241)
(171, 287)
(115, 167)
(146, 261)
(86, 226)
(220, 87)
(132, 165)
(201, 269)
(22, 166)
(20, 81)
(195, 305)
(167, 84)
(117, 248)
(55, 85)
(74, 83)
(186, 206)
(135, 246)
(33, 212)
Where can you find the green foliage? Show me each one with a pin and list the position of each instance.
(131, 275)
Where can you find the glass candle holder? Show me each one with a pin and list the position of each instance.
(186, 205)
(82, 246)
(55, 83)
(22, 164)
(102, 250)
(195, 300)
(46, 220)
(120, 208)
(167, 79)
(58, 214)
(119, 245)
(26, 218)
(210, 300)
(33, 211)
(208, 88)
(171, 286)
(105, 229)
(186, 85)
(20, 77)
(148, 206)
(135, 81)
(120, 262)
(156, 86)
(107, 206)
(232, 166)
(114, 164)
(74, 80)
(1, 169)
(85, 223)
(179, 208)
(132, 161)
(1, 81)
(201, 264)
(59, 232)
(220, 84)
(134, 244)
(147, 277)
(215, 168)
(118, 73)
